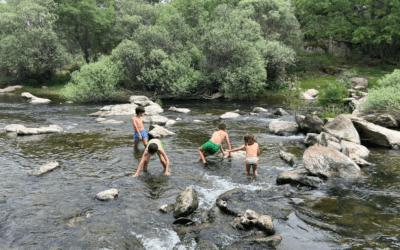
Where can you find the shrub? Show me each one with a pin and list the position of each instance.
(94, 82)
(384, 99)
(334, 93)
(345, 79)
(391, 79)
(332, 111)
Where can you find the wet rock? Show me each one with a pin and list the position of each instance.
(288, 157)
(270, 241)
(140, 100)
(111, 121)
(283, 128)
(376, 134)
(254, 114)
(206, 245)
(101, 119)
(198, 121)
(183, 221)
(312, 92)
(310, 124)
(384, 120)
(159, 131)
(264, 223)
(158, 120)
(329, 163)
(170, 123)
(349, 148)
(342, 128)
(22, 130)
(186, 202)
(213, 214)
(280, 111)
(336, 146)
(299, 176)
(107, 194)
(34, 99)
(181, 110)
(229, 115)
(166, 208)
(259, 109)
(11, 89)
(359, 83)
(178, 119)
(44, 168)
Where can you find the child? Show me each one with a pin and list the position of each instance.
(154, 146)
(215, 143)
(140, 133)
(252, 151)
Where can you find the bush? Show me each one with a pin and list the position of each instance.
(334, 93)
(391, 79)
(345, 79)
(332, 111)
(94, 82)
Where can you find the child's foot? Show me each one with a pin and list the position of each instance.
(247, 173)
(255, 173)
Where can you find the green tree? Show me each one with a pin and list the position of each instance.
(374, 24)
(87, 23)
(28, 42)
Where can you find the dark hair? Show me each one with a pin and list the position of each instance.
(222, 126)
(139, 110)
(152, 148)
(249, 139)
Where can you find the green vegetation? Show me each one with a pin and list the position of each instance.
(293, 95)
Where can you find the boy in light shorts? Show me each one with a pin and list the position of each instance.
(252, 151)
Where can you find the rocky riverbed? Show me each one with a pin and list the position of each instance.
(61, 209)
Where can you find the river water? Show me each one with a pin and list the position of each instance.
(59, 211)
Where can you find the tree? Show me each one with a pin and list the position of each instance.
(28, 42)
(374, 24)
(87, 22)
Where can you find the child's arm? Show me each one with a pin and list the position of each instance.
(136, 127)
(167, 160)
(236, 149)
(229, 145)
(140, 166)
(258, 150)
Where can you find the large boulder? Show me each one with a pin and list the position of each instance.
(159, 131)
(44, 168)
(280, 111)
(158, 120)
(11, 89)
(140, 100)
(376, 134)
(186, 202)
(283, 128)
(109, 194)
(350, 148)
(310, 124)
(342, 128)
(298, 176)
(181, 110)
(359, 83)
(329, 163)
(229, 115)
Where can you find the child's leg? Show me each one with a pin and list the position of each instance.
(247, 169)
(202, 155)
(144, 142)
(136, 143)
(255, 169)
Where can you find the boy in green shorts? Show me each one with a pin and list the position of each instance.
(215, 143)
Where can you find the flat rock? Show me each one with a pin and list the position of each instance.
(170, 123)
(41, 130)
(377, 134)
(280, 111)
(329, 163)
(34, 99)
(159, 131)
(359, 83)
(229, 115)
(158, 120)
(298, 176)
(127, 109)
(109, 194)
(186, 202)
(44, 168)
(140, 100)
(312, 92)
(27, 95)
(384, 120)
(111, 121)
(259, 109)
(342, 128)
(181, 110)
(283, 128)
(349, 148)
(11, 89)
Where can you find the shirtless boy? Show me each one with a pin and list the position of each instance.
(215, 144)
(140, 133)
(252, 151)
(154, 146)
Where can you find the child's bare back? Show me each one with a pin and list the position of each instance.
(218, 137)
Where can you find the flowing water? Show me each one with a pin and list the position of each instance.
(59, 211)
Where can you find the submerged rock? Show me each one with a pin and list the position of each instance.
(259, 109)
(186, 202)
(342, 128)
(109, 194)
(270, 241)
(181, 110)
(329, 163)
(198, 121)
(229, 115)
(34, 99)
(283, 128)
(159, 131)
(280, 111)
(44, 168)
(11, 89)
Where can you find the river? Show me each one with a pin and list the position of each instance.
(59, 211)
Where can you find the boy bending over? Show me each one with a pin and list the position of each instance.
(215, 143)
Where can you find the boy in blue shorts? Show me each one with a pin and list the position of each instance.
(140, 133)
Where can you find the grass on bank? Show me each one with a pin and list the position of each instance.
(37, 91)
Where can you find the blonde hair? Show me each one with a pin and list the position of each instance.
(249, 139)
